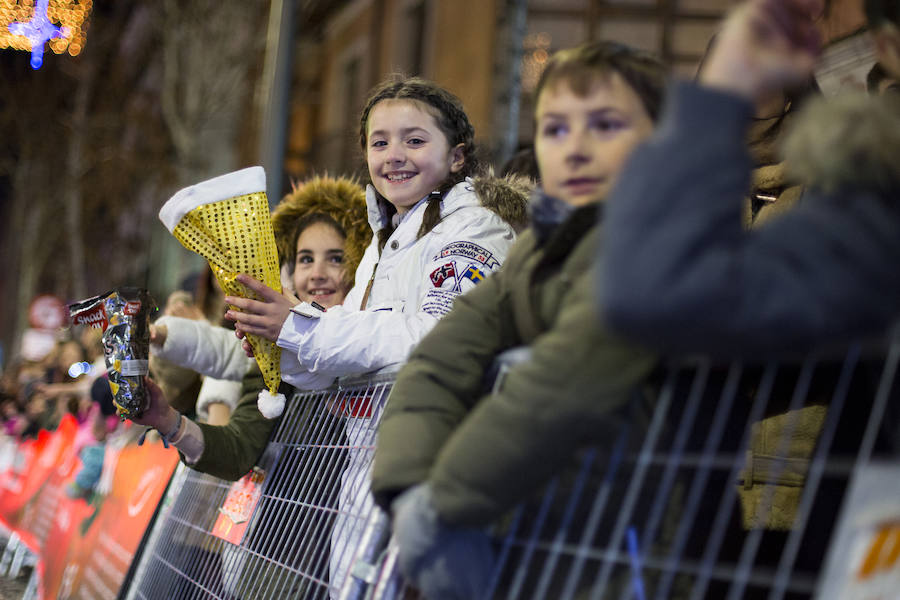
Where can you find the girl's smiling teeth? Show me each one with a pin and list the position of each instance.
(320, 292)
(398, 177)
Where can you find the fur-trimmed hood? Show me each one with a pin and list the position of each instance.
(341, 198)
(506, 196)
(850, 141)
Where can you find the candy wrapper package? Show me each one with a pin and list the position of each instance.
(124, 317)
(226, 221)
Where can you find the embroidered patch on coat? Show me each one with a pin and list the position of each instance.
(470, 251)
(438, 302)
(473, 274)
(442, 274)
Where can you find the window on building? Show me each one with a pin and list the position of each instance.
(417, 22)
(352, 93)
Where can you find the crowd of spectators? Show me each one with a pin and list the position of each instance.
(654, 228)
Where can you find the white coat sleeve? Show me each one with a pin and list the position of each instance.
(293, 373)
(345, 341)
(204, 348)
(223, 391)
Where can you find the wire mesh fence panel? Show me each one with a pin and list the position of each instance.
(182, 559)
(727, 484)
(713, 482)
(312, 524)
(723, 482)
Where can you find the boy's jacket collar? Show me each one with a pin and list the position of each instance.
(548, 214)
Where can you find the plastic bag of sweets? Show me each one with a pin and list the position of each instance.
(124, 317)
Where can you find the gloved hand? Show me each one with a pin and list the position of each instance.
(443, 561)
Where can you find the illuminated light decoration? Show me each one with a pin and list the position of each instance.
(39, 30)
(71, 16)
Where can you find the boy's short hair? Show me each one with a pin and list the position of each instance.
(580, 66)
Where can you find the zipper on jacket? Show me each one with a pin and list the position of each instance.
(365, 298)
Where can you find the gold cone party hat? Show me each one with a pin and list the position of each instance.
(226, 221)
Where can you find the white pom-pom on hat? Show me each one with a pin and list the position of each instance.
(270, 405)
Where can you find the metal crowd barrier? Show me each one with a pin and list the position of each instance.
(653, 511)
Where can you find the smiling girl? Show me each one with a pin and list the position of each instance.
(451, 458)
(437, 233)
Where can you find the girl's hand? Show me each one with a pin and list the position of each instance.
(158, 335)
(263, 318)
(764, 46)
(245, 344)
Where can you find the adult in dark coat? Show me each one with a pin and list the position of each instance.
(680, 273)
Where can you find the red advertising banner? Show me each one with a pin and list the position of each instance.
(84, 546)
(65, 548)
(107, 537)
(24, 480)
(36, 517)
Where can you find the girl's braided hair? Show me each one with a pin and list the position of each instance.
(453, 122)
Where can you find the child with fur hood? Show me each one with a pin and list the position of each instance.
(321, 232)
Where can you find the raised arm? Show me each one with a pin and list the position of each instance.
(226, 451)
(230, 451)
(679, 272)
(200, 346)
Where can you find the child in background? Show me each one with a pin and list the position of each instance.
(449, 459)
(90, 441)
(321, 231)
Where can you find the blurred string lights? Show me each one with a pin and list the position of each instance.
(534, 59)
(29, 25)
